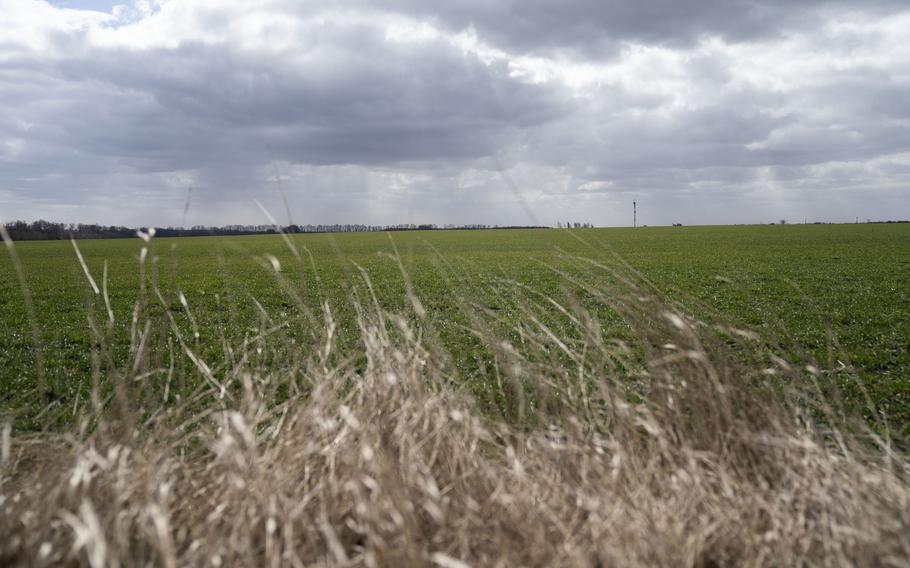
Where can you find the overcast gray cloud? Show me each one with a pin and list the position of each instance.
(598, 27)
(704, 111)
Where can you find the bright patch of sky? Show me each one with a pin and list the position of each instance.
(94, 5)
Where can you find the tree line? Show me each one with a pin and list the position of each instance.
(574, 225)
(42, 230)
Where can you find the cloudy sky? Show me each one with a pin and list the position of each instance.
(458, 111)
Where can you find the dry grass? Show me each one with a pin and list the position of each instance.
(695, 458)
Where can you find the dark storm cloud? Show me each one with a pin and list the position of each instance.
(361, 100)
(598, 27)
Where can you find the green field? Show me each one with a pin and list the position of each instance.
(837, 294)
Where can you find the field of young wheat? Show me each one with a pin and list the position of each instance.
(838, 295)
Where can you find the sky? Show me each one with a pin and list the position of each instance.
(463, 111)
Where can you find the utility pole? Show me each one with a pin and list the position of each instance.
(634, 214)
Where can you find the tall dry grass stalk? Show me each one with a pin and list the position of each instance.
(672, 451)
